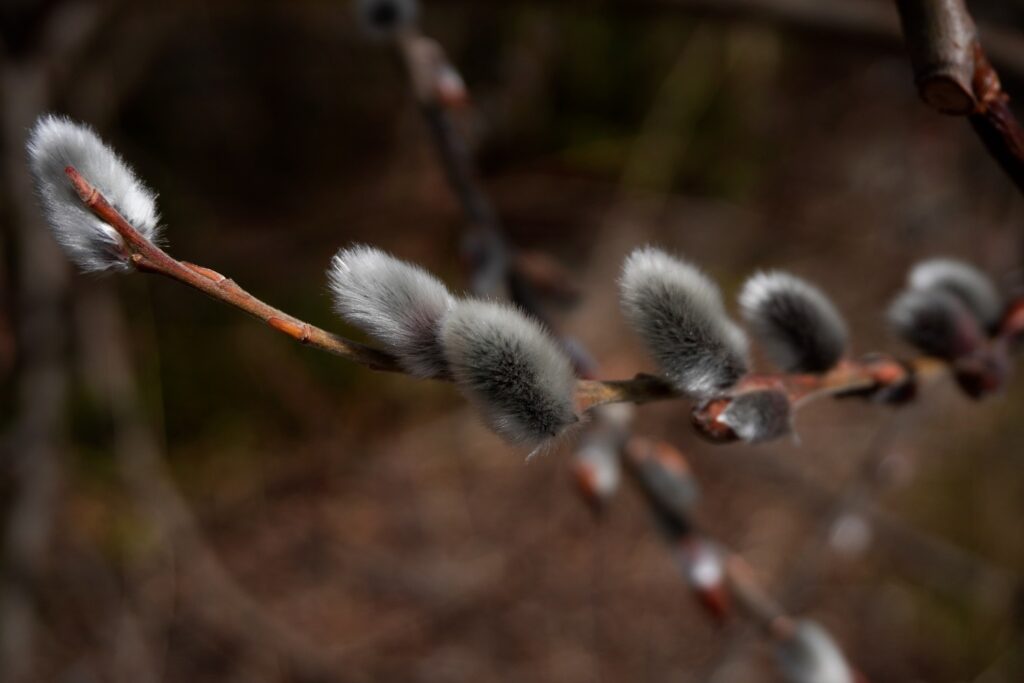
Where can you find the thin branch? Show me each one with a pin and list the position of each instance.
(484, 246)
(146, 256)
(495, 269)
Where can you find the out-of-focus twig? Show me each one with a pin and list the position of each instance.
(496, 270)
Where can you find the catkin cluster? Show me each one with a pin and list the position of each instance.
(679, 313)
(506, 363)
(955, 312)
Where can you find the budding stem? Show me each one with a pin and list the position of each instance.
(849, 378)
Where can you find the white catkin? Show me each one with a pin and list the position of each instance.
(512, 370)
(756, 416)
(678, 312)
(811, 656)
(800, 328)
(398, 304)
(973, 287)
(54, 144)
(385, 18)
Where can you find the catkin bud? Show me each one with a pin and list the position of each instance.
(809, 655)
(678, 312)
(760, 415)
(800, 328)
(971, 286)
(936, 322)
(54, 144)
(399, 304)
(514, 372)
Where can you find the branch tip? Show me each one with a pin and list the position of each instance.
(87, 192)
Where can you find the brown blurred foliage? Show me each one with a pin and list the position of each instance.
(316, 521)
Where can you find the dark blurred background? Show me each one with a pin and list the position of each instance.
(187, 496)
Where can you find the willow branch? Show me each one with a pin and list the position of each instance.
(877, 377)
(954, 76)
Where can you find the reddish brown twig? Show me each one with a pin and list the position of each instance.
(146, 256)
(994, 121)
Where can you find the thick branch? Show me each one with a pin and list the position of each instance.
(954, 76)
(941, 37)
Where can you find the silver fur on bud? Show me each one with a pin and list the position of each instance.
(678, 312)
(384, 18)
(513, 371)
(399, 304)
(800, 328)
(810, 655)
(56, 143)
(756, 416)
(936, 322)
(973, 287)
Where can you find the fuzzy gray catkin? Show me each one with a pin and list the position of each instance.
(678, 312)
(971, 286)
(512, 370)
(801, 330)
(936, 322)
(398, 304)
(54, 144)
